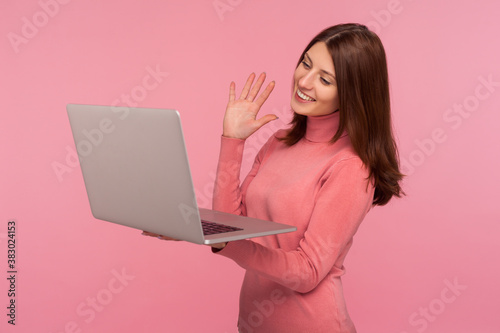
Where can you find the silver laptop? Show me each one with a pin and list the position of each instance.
(136, 172)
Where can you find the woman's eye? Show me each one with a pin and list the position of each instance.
(306, 65)
(325, 82)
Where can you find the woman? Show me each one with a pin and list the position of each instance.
(323, 175)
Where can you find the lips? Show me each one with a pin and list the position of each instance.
(302, 96)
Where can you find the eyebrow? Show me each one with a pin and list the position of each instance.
(321, 70)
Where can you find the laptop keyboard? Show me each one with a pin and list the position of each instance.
(210, 228)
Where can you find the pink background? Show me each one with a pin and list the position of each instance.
(407, 255)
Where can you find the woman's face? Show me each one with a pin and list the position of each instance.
(315, 89)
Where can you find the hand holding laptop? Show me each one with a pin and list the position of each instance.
(152, 234)
(218, 246)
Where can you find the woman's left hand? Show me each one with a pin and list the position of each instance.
(151, 234)
(218, 246)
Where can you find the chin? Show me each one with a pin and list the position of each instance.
(303, 112)
(298, 109)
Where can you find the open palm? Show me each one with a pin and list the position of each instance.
(240, 119)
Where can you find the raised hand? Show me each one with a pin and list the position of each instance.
(240, 119)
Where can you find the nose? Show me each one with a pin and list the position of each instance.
(306, 81)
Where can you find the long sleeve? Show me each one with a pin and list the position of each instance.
(341, 205)
(320, 187)
(228, 194)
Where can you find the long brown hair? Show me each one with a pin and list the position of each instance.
(364, 105)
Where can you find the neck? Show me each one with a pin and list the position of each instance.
(322, 128)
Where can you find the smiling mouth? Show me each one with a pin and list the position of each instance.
(304, 96)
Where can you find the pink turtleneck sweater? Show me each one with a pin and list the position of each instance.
(293, 280)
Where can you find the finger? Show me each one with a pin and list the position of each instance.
(265, 94)
(152, 234)
(167, 238)
(232, 87)
(246, 88)
(256, 87)
(265, 119)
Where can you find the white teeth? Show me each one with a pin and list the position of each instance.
(304, 96)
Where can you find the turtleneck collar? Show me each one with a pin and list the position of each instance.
(322, 128)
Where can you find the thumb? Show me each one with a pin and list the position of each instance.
(265, 119)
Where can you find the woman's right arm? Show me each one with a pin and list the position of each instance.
(239, 123)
